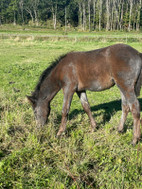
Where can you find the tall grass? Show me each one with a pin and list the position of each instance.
(36, 33)
(35, 158)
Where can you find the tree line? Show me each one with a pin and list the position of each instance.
(85, 14)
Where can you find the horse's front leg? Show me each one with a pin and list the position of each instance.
(68, 94)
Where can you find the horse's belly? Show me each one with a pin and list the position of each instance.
(96, 85)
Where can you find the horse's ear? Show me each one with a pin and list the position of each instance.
(32, 100)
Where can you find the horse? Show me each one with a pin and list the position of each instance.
(94, 70)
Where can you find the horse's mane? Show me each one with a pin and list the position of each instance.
(46, 73)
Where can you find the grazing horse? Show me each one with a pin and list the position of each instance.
(94, 70)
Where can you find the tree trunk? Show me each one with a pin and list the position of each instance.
(114, 16)
(130, 15)
(21, 5)
(65, 19)
(54, 20)
(126, 24)
(94, 13)
(121, 15)
(100, 14)
(84, 16)
(14, 17)
(0, 21)
(108, 14)
(55, 23)
(89, 12)
(117, 16)
(32, 18)
(36, 17)
(30, 12)
(111, 23)
(54, 12)
(80, 15)
(138, 15)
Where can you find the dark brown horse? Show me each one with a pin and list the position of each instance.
(95, 70)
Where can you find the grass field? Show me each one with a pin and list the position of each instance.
(33, 158)
(7, 31)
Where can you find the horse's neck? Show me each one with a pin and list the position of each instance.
(49, 88)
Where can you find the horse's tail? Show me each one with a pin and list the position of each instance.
(139, 81)
(140, 55)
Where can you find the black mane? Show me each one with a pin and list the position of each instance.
(46, 73)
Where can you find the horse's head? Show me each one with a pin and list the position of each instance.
(41, 110)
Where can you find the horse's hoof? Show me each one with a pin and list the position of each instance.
(94, 129)
(60, 133)
(134, 142)
(57, 136)
(121, 131)
(38, 127)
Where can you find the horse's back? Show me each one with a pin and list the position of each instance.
(100, 69)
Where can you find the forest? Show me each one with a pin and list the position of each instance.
(85, 15)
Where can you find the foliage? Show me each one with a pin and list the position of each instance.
(87, 15)
(35, 158)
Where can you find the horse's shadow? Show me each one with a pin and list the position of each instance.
(110, 108)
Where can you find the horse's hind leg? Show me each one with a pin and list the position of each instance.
(135, 110)
(125, 111)
(86, 107)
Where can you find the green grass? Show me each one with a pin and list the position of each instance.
(41, 33)
(32, 158)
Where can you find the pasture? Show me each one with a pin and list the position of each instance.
(35, 158)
